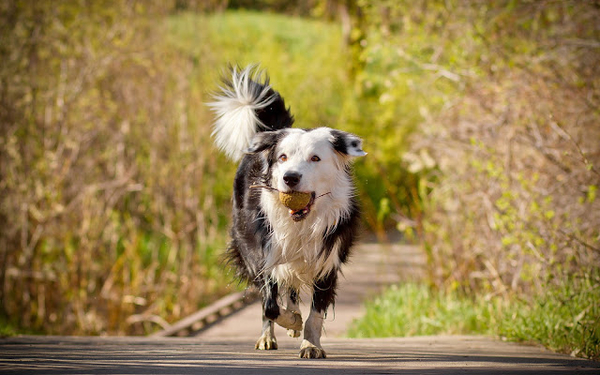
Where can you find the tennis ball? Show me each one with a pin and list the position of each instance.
(295, 200)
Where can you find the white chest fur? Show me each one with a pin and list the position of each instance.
(296, 255)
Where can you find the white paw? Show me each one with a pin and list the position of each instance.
(266, 342)
(290, 320)
(308, 350)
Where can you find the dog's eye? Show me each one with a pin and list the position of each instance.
(315, 158)
(283, 158)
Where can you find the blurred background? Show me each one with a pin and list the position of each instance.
(481, 120)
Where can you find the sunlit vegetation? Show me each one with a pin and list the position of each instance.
(113, 204)
(507, 155)
(481, 121)
(565, 319)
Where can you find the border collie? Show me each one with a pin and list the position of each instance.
(279, 249)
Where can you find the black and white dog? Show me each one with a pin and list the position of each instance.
(278, 249)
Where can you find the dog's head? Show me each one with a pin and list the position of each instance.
(314, 161)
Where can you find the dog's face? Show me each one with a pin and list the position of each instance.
(313, 161)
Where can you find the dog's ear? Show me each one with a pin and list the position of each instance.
(347, 143)
(263, 141)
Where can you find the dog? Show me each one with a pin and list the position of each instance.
(279, 249)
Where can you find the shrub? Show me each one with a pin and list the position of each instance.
(504, 99)
(506, 152)
(517, 152)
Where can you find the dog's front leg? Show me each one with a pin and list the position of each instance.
(311, 344)
(323, 296)
(270, 310)
(292, 305)
(267, 340)
(290, 319)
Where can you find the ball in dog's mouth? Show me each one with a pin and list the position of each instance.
(298, 202)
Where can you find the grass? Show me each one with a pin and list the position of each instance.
(7, 330)
(304, 58)
(565, 318)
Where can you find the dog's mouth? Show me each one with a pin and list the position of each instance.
(301, 214)
(290, 199)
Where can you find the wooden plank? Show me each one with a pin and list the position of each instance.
(230, 302)
(451, 355)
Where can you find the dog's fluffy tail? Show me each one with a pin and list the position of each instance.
(245, 105)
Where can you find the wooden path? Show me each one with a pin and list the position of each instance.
(228, 347)
(372, 268)
(137, 355)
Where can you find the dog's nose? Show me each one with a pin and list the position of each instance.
(291, 179)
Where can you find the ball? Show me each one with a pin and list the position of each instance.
(295, 200)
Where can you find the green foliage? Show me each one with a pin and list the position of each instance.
(505, 148)
(301, 56)
(504, 155)
(415, 309)
(565, 318)
(6, 329)
(307, 62)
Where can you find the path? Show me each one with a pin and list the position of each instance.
(228, 347)
(372, 268)
(140, 355)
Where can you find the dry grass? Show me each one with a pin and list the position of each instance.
(109, 201)
(517, 154)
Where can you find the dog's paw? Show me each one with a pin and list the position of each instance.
(293, 333)
(266, 342)
(290, 320)
(308, 350)
(312, 353)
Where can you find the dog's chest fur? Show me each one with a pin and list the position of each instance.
(296, 252)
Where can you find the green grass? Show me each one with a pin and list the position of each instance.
(565, 319)
(304, 58)
(416, 309)
(309, 65)
(7, 330)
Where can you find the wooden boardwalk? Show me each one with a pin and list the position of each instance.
(228, 347)
(138, 355)
(372, 268)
